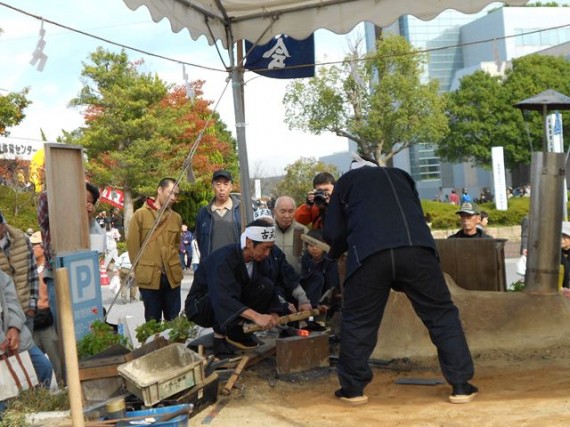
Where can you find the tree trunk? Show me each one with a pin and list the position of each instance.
(128, 209)
(17, 204)
(379, 157)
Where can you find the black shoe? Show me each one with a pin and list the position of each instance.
(463, 393)
(244, 343)
(222, 350)
(238, 338)
(351, 399)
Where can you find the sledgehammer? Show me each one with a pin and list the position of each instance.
(293, 317)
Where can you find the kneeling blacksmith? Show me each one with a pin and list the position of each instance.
(375, 214)
(234, 284)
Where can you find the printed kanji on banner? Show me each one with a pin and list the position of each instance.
(282, 58)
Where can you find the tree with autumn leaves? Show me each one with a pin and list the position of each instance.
(139, 129)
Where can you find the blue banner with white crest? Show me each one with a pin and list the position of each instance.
(282, 58)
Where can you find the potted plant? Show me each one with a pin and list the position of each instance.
(100, 338)
(179, 329)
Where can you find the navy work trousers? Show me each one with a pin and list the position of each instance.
(416, 272)
(161, 302)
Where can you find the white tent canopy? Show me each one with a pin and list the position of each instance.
(256, 19)
(227, 21)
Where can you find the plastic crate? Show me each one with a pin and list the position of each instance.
(179, 421)
(163, 373)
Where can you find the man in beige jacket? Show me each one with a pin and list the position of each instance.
(158, 271)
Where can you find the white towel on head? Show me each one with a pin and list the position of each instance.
(359, 162)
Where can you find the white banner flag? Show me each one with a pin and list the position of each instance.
(499, 179)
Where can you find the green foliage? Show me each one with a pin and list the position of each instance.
(443, 215)
(122, 115)
(517, 286)
(12, 108)
(481, 113)
(298, 180)
(180, 329)
(545, 4)
(121, 245)
(19, 208)
(31, 401)
(377, 100)
(148, 329)
(100, 338)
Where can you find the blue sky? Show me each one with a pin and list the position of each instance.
(271, 146)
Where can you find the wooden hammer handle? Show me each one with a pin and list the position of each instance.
(315, 242)
(232, 380)
(293, 317)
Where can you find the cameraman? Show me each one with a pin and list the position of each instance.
(314, 209)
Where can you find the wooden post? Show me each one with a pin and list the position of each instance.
(69, 346)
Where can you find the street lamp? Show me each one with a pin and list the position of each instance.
(548, 171)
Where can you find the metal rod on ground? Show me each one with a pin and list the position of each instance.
(65, 313)
(293, 317)
(230, 384)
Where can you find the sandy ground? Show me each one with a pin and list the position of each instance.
(530, 389)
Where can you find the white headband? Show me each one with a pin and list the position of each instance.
(258, 234)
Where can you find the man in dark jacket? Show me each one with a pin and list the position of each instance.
(235, 284)
(219, 223)
(470, 217)
(375, 214)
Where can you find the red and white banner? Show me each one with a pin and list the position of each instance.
(113, 197)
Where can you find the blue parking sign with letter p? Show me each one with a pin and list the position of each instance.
(85, 288)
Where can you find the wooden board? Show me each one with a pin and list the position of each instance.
(474, 264)
(98, 372)
(65, 182)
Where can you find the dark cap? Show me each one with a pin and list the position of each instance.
(1, 218)
(316, 234)
(469, 208)
(221, 173)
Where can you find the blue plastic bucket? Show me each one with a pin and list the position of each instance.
(179, 421)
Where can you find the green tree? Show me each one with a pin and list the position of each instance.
(376, 100)
(298, 179)
(481, 113)
(140, 129)
(12, 108)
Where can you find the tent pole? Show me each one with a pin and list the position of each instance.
(239, 112)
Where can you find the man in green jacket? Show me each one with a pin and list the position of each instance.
(154, 231)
